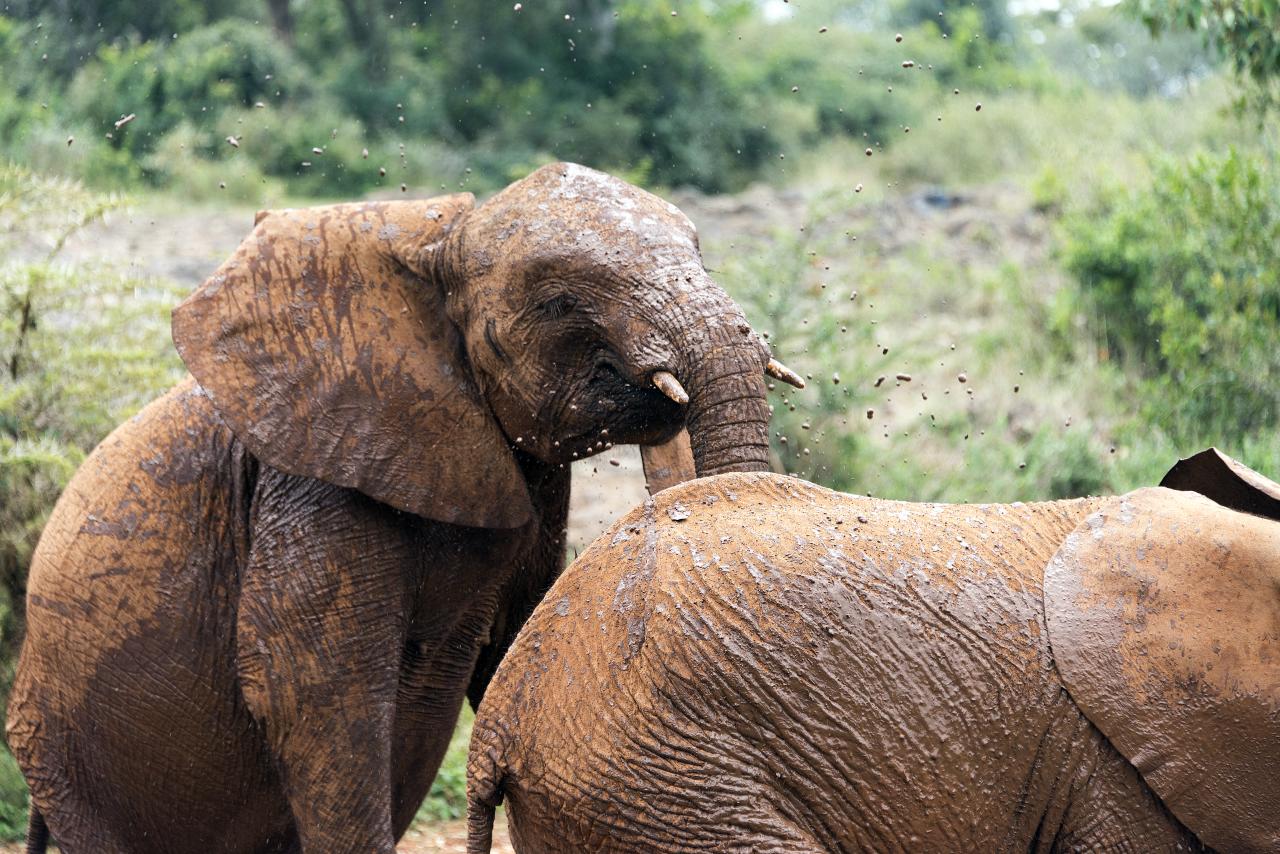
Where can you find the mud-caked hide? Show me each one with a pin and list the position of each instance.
(326, 349)
(1163, 612)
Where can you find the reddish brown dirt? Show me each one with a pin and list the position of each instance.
(448, 837)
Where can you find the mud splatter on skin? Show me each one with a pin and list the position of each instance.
(259, 606)
(818, 672)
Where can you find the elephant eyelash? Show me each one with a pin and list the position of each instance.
(558, 306)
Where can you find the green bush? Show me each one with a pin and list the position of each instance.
(1182, 279)
(194, 78)
(81, 349)
(610, 85)
(13, 799)
(1244, 32)
(447, 799)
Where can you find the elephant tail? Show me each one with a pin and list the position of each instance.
(37, 832)
(479, 826)
(485, 781)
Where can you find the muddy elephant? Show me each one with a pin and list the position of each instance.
(752, 663)
(257, 608)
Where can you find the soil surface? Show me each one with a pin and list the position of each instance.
(448, 837)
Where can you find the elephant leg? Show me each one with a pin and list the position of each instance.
(79, 830)
(319, 645)
(1114, 810)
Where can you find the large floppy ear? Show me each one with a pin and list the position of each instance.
(324, 345)
(1221, 479)
(1163, 612)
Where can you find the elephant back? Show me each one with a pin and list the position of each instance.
(1163, 612)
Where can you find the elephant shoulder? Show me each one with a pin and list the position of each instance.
(1163, 612)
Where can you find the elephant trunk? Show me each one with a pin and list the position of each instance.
(728, 415)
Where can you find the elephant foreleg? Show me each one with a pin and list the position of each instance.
(318, 647)
(1112, 809)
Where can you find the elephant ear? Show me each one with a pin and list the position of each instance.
(331, 357)
(1163, 611)
(1223, 480)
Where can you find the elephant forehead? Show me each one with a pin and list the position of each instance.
(595, 214)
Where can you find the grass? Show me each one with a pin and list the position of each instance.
(448, 796)
(978, 290)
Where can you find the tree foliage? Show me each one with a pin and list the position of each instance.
(80, 350)
(1183, 280)
(1245, 32)
(343, 96)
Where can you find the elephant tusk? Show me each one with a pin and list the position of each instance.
(670, 386)
(779, 371)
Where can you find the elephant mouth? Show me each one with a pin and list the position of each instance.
(625, 413)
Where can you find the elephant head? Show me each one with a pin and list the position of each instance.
(415, 351)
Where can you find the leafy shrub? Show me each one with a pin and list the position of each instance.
(80, 350)
(611, 85)
(230, 64)
(1245, 32)
(1182, 278)
(13, 799)
(448, 796)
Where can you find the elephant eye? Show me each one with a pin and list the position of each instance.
(558, 306)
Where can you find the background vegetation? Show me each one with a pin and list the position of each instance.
(1058, 293)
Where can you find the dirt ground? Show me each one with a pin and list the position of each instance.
(449, 837)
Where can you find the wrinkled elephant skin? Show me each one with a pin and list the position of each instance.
(257, 608)
(751, 663)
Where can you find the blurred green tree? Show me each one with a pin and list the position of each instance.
(1183, 280)
(1245, 32)
(80, 350)
(623, 85)
(997, 25)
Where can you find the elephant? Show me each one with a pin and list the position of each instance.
(257, 608)
(749, 662)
